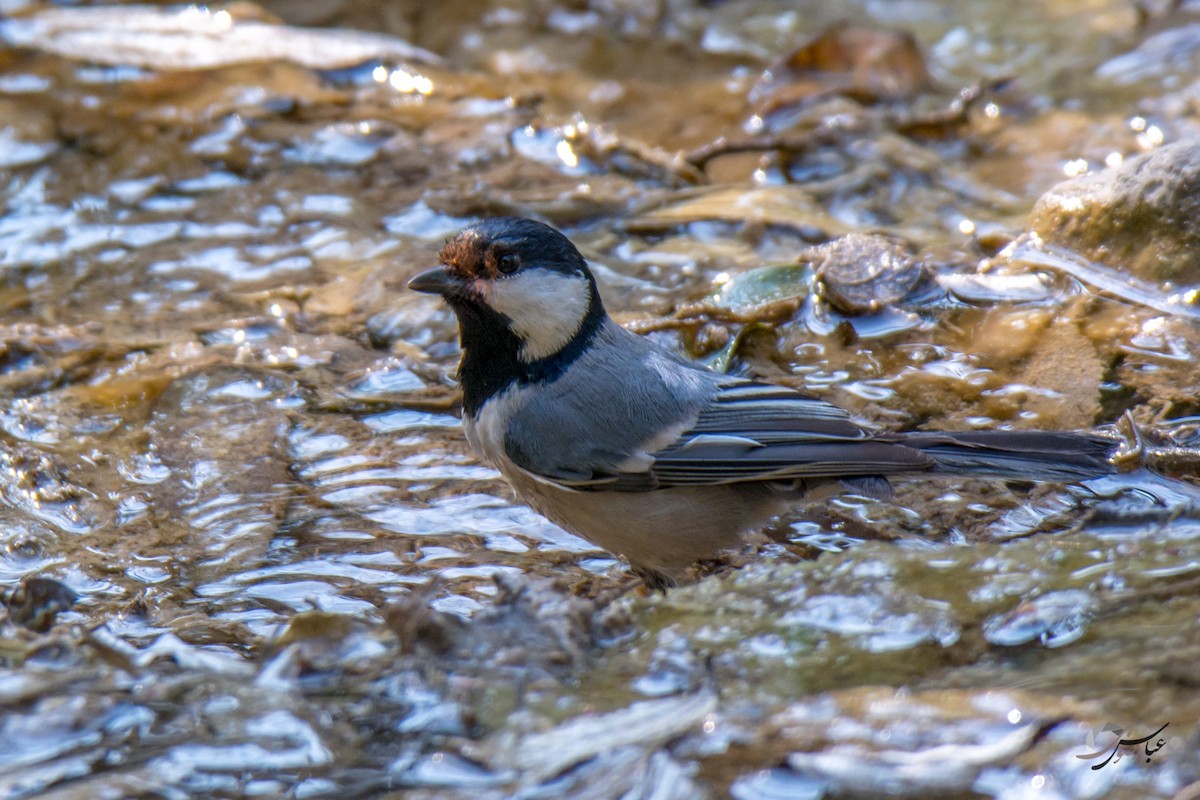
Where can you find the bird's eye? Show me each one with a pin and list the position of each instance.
(509, 263)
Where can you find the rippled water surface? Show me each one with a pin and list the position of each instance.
(245, 550)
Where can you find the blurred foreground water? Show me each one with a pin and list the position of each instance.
(246, 552)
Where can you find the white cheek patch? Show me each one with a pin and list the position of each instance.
(546, 309)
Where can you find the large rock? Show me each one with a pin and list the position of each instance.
(1143, 217)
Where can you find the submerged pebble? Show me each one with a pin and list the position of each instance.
(1053, 619)
(35, 602)
(863, 273)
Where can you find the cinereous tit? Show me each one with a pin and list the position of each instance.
(645, 454)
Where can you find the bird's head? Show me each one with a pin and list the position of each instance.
(514, 279)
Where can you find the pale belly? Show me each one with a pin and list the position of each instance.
(662, 531)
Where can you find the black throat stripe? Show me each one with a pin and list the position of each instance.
(491, 359)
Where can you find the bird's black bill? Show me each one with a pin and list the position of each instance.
(435, 281)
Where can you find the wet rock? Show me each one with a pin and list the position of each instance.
(631, 772)
(1045, 511)
(935, 770)
(1143, 217)
(280, 740)
(193, 37)
(1054, 619)
(778, 617)
(320, 647)
(784, 206)
(35, 602)
(35, 358)
(877, 626)
(995, 288)
(531, 625)
(1163, 57)
(383, 381)
(36, 484)
(57, 738)
(1142, 495)
(536, 756)
(919, 744)
(421, 629)
(446, 775)
(763, 293)
(864, 273)
(866, 65)
(674, 667)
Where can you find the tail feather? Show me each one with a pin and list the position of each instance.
(1032, 455)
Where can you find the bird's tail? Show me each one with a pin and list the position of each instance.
(1032, 455)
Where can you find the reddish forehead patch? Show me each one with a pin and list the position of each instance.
(469, 256)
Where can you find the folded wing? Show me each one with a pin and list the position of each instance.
(759, 432)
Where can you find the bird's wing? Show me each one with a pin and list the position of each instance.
(760, 432)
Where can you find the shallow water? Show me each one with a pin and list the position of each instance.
(233, 435)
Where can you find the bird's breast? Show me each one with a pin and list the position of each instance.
(487, 427)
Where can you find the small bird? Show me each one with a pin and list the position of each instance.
(650, 456)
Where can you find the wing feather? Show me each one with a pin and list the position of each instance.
(761, 432)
